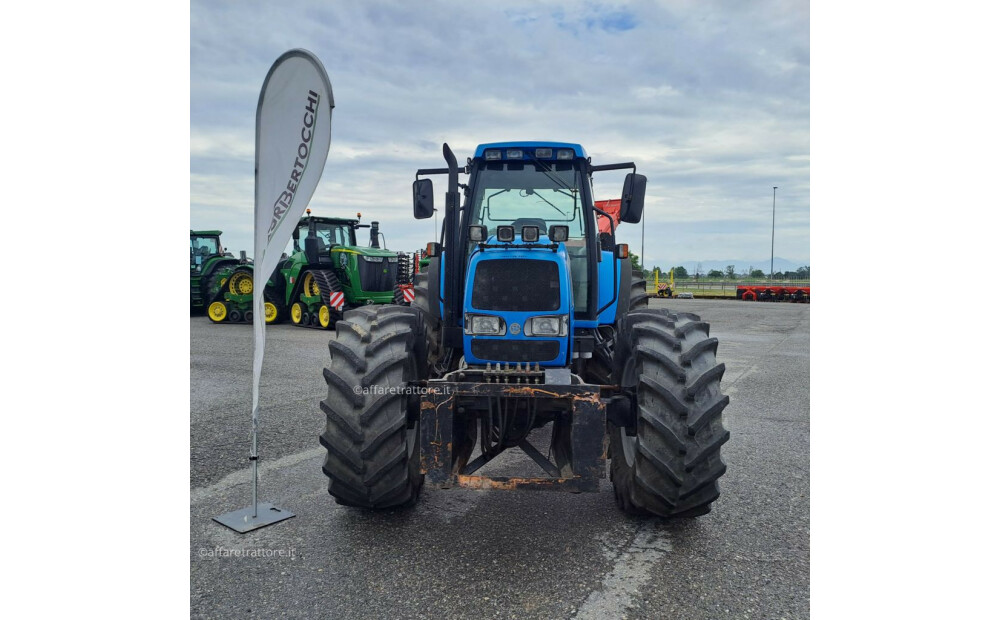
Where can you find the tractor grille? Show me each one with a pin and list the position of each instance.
(515, 350)
(516, 285)
(380, 276)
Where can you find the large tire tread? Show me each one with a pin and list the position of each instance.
(638, 297)
(369, 461)
(680, 433)
(432, 327)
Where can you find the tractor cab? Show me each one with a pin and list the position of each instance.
(530, 254)
(328, 232)
(204, 245)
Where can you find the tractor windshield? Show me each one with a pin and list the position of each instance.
(330, 234)
(202, 248)
(518, 193)
(536, 194)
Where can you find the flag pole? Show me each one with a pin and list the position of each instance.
(293, 125)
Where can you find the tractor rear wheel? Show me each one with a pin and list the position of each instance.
(638, 298)
(431, 326)
(371, 434)
(599, 368)
(672, 465)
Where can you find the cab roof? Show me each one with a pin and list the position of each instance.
(206, 233)
(328, 220)
(577, 149)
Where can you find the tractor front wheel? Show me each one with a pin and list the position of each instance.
(371, 434)
(671, 466)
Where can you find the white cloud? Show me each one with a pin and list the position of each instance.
(711, 100)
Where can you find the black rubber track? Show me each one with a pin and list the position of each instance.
(397, 297)
(372, 456)
(670, 360)
(328, 283)
(206, 284)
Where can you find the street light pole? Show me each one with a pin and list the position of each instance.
(774, 198)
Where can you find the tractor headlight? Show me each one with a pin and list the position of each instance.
(477, 233)
(558, 233)
(483, 325)
(547, 326)
(373, 259)
(529, 234)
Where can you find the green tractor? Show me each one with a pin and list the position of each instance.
(212, 267)
(328, 271)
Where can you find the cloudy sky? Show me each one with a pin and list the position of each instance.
(710, 99)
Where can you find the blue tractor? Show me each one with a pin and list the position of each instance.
(526, 317)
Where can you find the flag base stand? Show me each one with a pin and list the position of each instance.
(243, 520)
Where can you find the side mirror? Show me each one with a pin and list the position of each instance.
(633, 196)
(423, 199)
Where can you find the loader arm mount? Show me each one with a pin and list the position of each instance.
(446, 408)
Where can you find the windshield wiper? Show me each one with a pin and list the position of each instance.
(531, 192)
(548, 172)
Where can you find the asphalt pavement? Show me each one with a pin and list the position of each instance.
(496, 554)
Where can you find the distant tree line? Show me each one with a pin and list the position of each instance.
(730, 273)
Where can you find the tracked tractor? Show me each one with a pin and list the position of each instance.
(527, 328)
(211, 267)
(231, 293)
(327, 271)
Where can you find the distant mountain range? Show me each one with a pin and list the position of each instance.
(780, 265)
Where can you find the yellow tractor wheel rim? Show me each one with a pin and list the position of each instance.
(270, 312)
(217, 311)
(297, 313)
(241, 284)
(310, 285)
(324, 316)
